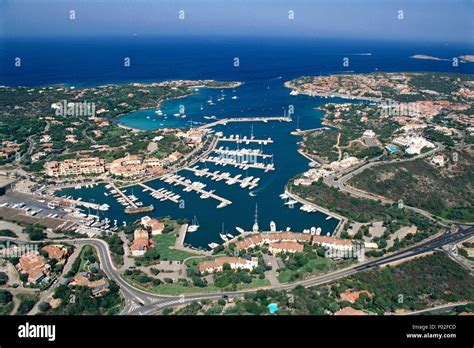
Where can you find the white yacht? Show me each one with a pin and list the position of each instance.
(194, 226)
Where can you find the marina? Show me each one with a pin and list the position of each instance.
(247, 182)
(239, 164)
(237, 139)
(245, 119)
(240, 185)
(130, 201)
(195, 186)
(161, 194)
(242, 153)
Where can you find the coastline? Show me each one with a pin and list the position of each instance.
(342, 219)
(116, 119)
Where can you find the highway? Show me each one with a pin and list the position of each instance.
(139, 302)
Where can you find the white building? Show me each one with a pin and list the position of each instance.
(438, 160)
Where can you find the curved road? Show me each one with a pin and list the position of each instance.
(139, 302)
(341, 183)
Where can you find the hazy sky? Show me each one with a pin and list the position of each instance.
(433, 20)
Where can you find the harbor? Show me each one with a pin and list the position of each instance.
(239, 164)
(246, 153)
(161, 194)
(246, 119)
(238, 140)
(247, 182)
(203, 182)
(195, 186)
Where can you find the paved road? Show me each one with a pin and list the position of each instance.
(434, 244)
(139, 302)
(341, 183)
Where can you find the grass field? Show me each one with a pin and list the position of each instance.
(165, 247)
(313, 267)
(178, 289)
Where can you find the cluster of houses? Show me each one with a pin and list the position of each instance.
(351, 296)
(126, 167)
(8, 149)
(290, 242)
(314, 174)
(235, 263)
(141, 240)
(412, 143)
(37, 266)
(74, 167)
(134, 165)
(98, 287)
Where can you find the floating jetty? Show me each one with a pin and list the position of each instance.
(239, 140)
(242, 153)
(194, 186)
(245, 119)
(242, 165)
(161, 194)
(248, 182)
(127, 199)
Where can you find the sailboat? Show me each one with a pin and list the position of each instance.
(194, 226)
(202, 107)
(223, 235)
(255, 227)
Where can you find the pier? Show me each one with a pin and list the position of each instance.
(123, 195)
(242, 165)
(245, 119)
(242, 153)
(246, 140)
(176, 179)
(250, 182)
(161, 194)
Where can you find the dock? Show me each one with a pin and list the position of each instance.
(225, 176)
(161, 195)
(245, 119)
(245, 140)
(179, 243)
(243, 153)
(237, 164)
(176, 179)
(123, 195)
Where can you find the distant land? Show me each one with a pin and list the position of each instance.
(424, 56)
(468, 58)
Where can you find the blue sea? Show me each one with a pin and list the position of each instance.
(264, 66)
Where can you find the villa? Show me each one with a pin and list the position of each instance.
(56, 251)
(333, 242)
(217, 265)
(82, 166)
(34, 265)
(285, 247)
(141, 243)
(156, 226)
